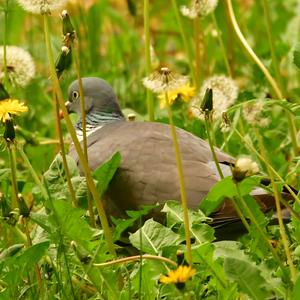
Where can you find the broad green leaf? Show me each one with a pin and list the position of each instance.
(105, 172)
(226, 188)
(202, 233)
(174, 212)
(70, 222)
(154, 237)
(10, 251)
(134, 216)
(248, 276)
(55, 177)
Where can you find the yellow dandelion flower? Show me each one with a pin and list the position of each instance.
(179, 276)
(11, 107)
(186, 92)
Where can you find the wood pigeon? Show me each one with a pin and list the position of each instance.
(147, 173)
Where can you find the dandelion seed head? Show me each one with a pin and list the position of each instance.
(20, 65)
(225, 92)
(253, 114)
(247, 166)
(199, 8)
(164, 80)
(42, 6)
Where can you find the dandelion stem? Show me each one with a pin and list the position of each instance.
(83, 162)
(136, 258)
(186, 43)
(211, 145)
(13, 167)
(272, 82)
(149, 95)
(223, 49)
(181, 182)
(33, 173)
(274, 172)
(278, 207)
(262, 234)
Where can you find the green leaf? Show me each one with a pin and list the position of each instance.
(105, 172)
(70, 222)
(203, 233)
(55, 177)
(226, 189)
(174, 212)
(296, 290)
(154, 237)
(247, 276)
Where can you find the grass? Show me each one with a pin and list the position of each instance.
(59, 249)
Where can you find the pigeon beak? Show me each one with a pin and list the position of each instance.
(61, 114)
(68, 104)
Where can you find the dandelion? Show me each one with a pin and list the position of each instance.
(42, 6)
(19, 64)
(199, 8)
(10, 107)
(179, 276)
(225, 92)
(185, 92)
(253, 114)
(164, 80)
(244, 167)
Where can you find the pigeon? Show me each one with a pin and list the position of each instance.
(147, 173)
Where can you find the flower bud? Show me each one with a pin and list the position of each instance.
(244, 167)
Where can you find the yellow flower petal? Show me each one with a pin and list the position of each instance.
(180, 275)
(186, 92)
(11, 107)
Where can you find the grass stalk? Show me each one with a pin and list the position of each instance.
(186, 43)
(63, 155)
(270, 79)
(83, 162)
(251, 148)
(181, 182)
(272, 44)
(262, 234)
(83, 126)
(198, 55)
(278, 208)
(149, 95)
(6, 80)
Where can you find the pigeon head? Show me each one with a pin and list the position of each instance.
(99, 97)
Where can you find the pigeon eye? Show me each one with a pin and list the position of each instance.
(75, 95)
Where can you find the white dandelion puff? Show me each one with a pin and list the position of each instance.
(42, 6)
(225, 92)
(164, 80)
(199, 8)
(253, 113)
(19, 63)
